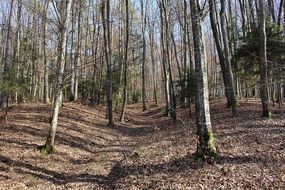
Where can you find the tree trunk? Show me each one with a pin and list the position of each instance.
(144, 55)
(7, 57)
(46, 65)
(18, 43)
(163, 60)
(62, 35)
(105, 10)
(152, 42)
(280, 12)
(228, 65)
(223, 57)
(125, 95)
(78, 52)
(206, 147)
(272, 10)
(72, 54)
(95, 43)
(167, 40)
(263, 63)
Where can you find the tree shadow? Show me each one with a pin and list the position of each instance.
(85, 144)
(187, 163)
(57, 178)
(22, 144)
(143, 128)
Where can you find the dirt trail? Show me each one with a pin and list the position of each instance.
(149, 151)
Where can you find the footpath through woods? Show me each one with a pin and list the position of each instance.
(149, 151)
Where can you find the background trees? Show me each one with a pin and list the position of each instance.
(115, 53)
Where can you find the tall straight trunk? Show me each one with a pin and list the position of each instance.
(223, 56)
(206, 147)
(263, 63)
(62, 35)
(229, 73)
(251, 12)
(176, 56)
(125, 95)
(105, 10)
(183, 85)
(242, 10)
(7, 57)
(272, 10)
(283, 16)
(78, 51)
(280, 12)
(163, 60)
(152, 42)
(144, 55)
(72, 53)
(280, 92)
(95, 44)
(84, 92)
(190, 56)
(46, 65)
(18, 43)
(167, 32)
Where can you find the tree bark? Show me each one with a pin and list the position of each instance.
(62, 35)
(206, 147)
(125, 93)
(7, 57)
(152, 50)
(163, 60)
(228, 65)
(46, 65)
(263, 63)
(105, 10)
(223, 57)
(143, 17)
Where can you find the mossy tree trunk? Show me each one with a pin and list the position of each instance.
(206, 147)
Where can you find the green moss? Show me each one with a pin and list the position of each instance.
(165, 112)
(206, 149)
(267, 115)
(111, 125)
(199, 157)
(212, 143)
(238, 104)
(47, 149)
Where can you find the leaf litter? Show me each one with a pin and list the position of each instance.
(149, 151)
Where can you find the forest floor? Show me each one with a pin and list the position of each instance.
(149, 151)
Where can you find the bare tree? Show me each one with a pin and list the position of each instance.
(206, 147)
(224, 54)
(63, 11)
(46, 64)
(105, 11)
(7, 58)
(125, 95)
(143, 17)
(263, 62)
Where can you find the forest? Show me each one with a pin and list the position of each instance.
(142, 94)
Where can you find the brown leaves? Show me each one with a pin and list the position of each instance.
(148, 152)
